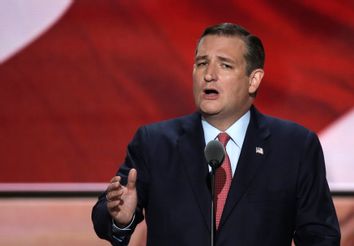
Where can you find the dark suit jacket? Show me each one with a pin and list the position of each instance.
(274, 197)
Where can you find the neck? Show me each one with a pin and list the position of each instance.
(222, 123)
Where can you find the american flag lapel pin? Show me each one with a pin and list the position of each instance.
(259, 150)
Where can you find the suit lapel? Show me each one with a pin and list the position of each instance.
(253, 154)
(191, 146)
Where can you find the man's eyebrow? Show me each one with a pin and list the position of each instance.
(197, 58)
(225, 59)
(220, 58)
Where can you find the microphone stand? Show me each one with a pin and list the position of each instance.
(212, 210)
(214, 154)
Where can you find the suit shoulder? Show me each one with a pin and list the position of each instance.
(291, 137)
(286, 127)
(171, 127)
(173, 122)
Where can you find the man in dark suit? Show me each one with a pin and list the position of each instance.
(274, 186)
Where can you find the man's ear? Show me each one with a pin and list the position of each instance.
(255, 80)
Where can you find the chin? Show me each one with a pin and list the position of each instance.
(209, 107)
(208, 112)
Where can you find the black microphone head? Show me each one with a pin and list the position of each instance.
(214, 154)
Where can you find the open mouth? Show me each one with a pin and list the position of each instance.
(211, 91)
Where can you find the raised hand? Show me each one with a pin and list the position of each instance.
(122, 200)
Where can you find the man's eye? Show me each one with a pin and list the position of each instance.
(226, 66)
(201, 64)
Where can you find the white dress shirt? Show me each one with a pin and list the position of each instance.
(236, 131)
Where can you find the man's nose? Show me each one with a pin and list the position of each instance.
(210, 73)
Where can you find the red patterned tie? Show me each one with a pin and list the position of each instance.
(223, 179)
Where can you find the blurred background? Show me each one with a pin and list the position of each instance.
(77, 78)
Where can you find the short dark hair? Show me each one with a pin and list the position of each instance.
(255, 52)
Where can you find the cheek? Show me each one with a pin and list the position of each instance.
(196, 90)
(197, 86)
(238, 92)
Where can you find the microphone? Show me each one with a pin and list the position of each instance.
(214, 153)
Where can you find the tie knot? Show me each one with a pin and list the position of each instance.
(223, 138)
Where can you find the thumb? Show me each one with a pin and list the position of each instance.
(132, 179)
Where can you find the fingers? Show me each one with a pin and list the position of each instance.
(132, 176)
(115, 179)
(122, 200)
(115, 189)
(132, 179)
(114, 195)
(112, 192)
(114, 184)
(113, 204)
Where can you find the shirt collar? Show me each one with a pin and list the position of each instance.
(236, 131)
